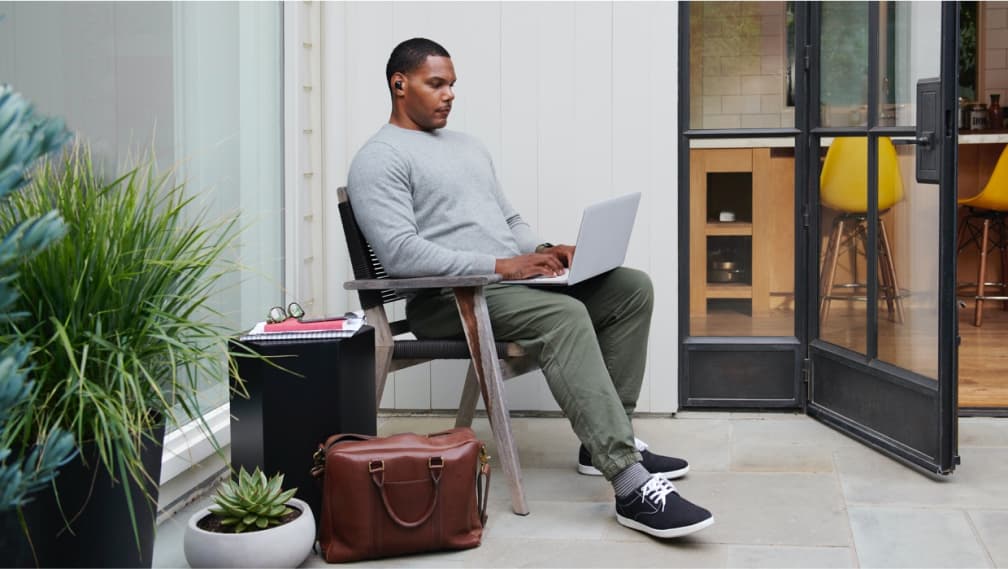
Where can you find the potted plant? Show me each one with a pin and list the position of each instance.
(123, 332)
(254, 523)
(24, 469)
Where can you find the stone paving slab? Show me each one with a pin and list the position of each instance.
(915, 537)
(785, 490)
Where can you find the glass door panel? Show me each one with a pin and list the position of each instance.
(843, 215)
(907, 53)
(907, 324)
(843, 60)
(742, 235)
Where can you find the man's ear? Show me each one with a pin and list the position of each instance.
(398, 83)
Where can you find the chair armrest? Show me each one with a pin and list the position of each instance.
(421, 282)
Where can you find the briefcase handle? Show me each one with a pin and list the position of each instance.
(435, 465)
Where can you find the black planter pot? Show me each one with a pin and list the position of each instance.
(14, 550)
(97, 530)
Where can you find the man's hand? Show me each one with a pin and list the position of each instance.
(530, 265)
(563, 253)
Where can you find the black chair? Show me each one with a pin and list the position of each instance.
(491, 362)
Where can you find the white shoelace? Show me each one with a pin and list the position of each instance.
(656, 489)
(641, 445)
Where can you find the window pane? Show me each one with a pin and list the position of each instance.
(908, 323)
(199, 83)
(843, 59)
(739, 63)
(843, 195)
(742, 237)
(907, 53)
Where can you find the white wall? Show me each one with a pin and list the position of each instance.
(576, 102)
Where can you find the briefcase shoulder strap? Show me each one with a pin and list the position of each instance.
(483, 485)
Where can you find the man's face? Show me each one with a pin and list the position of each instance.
(428, 93)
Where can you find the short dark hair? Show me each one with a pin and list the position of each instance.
(411, 54)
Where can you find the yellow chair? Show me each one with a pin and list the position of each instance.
(842, 186)
(985, 212)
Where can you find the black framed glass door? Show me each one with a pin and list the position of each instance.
(881, 167)
(817, 205)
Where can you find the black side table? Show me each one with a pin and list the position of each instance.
(286, 416)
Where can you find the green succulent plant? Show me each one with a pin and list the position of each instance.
(253, 502)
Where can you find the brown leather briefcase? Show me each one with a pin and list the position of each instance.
(407, 493)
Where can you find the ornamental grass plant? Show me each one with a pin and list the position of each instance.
(119, 311)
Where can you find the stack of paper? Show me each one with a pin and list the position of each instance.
(295, 329)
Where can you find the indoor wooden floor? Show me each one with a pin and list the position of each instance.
(983, 358)
(983, 355)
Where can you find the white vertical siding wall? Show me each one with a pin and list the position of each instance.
(576, 102)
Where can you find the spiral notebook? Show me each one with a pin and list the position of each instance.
(294, 329)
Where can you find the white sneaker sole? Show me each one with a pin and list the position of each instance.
(671, 532)
(589, 470)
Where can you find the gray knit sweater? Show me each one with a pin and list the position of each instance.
(430, 204)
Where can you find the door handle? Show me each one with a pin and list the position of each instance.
(925, 140)
(929, 125)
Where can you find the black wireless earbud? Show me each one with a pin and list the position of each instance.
(398, 85)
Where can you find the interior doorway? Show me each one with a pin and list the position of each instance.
(983, 361)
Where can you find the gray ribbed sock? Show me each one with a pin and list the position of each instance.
(630, 479)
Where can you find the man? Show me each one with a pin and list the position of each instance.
(429, 202)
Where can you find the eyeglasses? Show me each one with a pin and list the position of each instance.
(277, 313)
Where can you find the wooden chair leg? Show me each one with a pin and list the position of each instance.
(383, 361)
(828, 272)
(893, 298)
(884, 275)
(470, 396)
(384, 343)
(1003, 234)
(981, 274)
(479, 335)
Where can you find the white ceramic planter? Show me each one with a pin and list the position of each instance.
(286, 545)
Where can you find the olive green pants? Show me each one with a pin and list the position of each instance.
(590, 340)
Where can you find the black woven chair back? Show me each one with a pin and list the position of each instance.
(362, 258)
(367, 266)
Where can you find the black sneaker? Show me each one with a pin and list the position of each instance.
(656, 508)
(668, 467)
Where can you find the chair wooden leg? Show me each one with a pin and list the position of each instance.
(384, 343)
(884, 275)
(1003, 234)
(470, 396)
(893, 298)
(981, 275)
(828, 272)
(383, 361)
(479, 335)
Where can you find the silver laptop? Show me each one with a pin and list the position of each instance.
(601, 243)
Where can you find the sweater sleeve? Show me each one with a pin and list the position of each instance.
(526, 238)
(379, 187)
